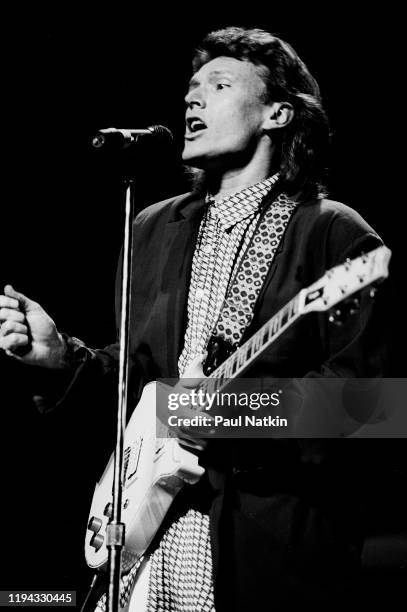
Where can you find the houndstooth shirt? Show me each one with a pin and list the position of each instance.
(228, 224)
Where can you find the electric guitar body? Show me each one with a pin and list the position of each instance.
(154, 470)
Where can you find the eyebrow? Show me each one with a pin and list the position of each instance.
(195, 82)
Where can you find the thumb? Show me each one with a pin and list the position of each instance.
(25, 302)
(194, 371)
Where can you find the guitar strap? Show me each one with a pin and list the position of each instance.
(245, 286)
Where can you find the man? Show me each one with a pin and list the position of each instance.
(272, 522)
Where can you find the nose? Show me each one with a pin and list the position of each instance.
(195, 97)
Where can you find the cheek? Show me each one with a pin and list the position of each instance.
(252, 114)
(234, 124)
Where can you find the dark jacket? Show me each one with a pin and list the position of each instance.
(284, 513)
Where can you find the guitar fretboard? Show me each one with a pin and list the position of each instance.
(243, 356)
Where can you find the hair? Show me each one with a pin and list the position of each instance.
(302, 145)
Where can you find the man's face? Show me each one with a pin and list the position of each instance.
(225, 114)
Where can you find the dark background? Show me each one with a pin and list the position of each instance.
(65, 75)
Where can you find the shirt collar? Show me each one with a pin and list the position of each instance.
(242, 204)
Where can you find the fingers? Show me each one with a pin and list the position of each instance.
(24, 302)
(14, 334)
(198, 444)
(9, 327)
(8, 314)
(11, 317)
(13, 341)
(8, 302)
(193, 436)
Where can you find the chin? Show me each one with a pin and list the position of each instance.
(199, 158)
(196, 164)
(195, 161)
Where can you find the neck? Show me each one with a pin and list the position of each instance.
(235, 181)
(231, 180)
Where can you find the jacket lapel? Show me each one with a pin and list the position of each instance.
(179, 241)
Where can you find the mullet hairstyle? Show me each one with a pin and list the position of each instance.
(302, 145)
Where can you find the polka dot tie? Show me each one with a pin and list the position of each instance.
(238, 308)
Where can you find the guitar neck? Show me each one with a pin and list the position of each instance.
(250, 350)
(336, 285)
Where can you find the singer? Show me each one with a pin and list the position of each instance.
(272, 523)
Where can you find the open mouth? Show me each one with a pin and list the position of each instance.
(194, 125)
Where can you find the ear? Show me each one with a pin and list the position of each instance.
(278, 115)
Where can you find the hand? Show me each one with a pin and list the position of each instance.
(193, 375)
(27, 333)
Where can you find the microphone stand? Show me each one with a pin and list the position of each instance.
(115, 531)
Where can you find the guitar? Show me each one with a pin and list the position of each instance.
(155, 469)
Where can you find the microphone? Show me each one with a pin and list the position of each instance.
(117, 138)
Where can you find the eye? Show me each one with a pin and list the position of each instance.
(221, 86)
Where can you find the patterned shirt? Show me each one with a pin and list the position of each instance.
(228, 224)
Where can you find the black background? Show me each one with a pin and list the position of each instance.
(65, 75)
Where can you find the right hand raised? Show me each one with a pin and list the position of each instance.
(27, 333)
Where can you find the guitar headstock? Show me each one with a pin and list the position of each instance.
(345, 280)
